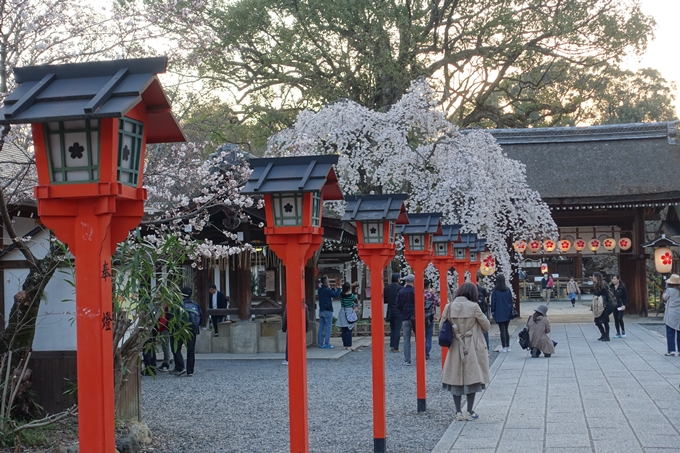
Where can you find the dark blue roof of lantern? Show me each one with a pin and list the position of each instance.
(422, 223)
(467, 241)
(100, 89)
(480, 246)
(662, 241)
(450, 233)
(294, 174)
(376, 207)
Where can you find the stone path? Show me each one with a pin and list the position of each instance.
(591, 396)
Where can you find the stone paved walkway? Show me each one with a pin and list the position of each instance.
(618, 397)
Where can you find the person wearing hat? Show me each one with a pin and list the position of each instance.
(406, 303)
(671, 316)
(539, 328)
(393, 315)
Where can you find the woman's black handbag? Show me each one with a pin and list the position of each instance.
(524, 342)
(446, 334)
(513, 313)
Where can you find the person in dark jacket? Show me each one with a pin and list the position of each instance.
(621, 293)
(602, 321)
(483, 303)
(284, 326)
(501, 310)
(217, 300)
(191, 311)
(393, 315)
(326, 295)
(406, 303)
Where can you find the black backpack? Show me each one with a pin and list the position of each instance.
(193, 312)
(524, 341)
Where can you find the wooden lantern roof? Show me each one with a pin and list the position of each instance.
(467, 241)
(450, 233)
(480, 245)
(422, 223)
(294, 174)
(662, 241)
(376, 207)
(94, 90)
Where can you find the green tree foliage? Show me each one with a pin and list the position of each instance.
(496, 63)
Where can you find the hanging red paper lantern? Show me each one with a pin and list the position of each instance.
(544, 268)
(565, 245)
(625, 243)
(520, 246)
(663, 260)
(535, 246)
(488, 263)
(609, 243)
(594, 244)
(549, 245)
(579, 244)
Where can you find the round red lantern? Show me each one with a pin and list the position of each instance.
(520, 246)
(565, 245)
(549, 245)
(579, 244)
(625, 243)
(535, 246)
(594, 244)
(609, 243)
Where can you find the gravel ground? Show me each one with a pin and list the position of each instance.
(242, 406)
(658, 327)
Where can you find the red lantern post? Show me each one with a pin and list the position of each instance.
(375, 217)
(443, 259)
(90, 131)
(418, 237)
(294, 190)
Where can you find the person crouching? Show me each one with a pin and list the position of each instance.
(539, 328)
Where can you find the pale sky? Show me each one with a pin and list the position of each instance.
(663, 53)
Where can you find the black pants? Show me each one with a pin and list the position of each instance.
(505, 336)
(618, 322)
(346, 337)
(215, 321)
(602, 323)
(191, 354)
(149, 355)
(395, 330)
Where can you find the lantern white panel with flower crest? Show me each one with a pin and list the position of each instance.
(73, 150)
(625, 243)
(564, 245)
(535, 246)
(594, 244)
(663, 260)
(549, 245)
(579, 244)
(609, 243)
(520, 246)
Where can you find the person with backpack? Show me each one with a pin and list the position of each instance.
(466, 369)
(431, 304)
(191, 314)
(501, 310)
(346, 316)
(603, 306)
(572, 291)
(406, 304)
(539, 328)
(621, 296)
(393, 314)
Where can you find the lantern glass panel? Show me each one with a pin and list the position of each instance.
(373, 232)
(316, 209)
(473, 257)
(441, 248)
(130, 135)
(459, 253)
(392, 232)
(72, 150)
(287, 209)
(416, 242)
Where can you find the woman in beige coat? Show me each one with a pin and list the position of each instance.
(539, 328)
(466, 369)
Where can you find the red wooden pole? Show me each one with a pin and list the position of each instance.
(377, 264)
(96, 421)
(418, 264)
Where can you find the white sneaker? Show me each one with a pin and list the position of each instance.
(508, 349)
(285, 362)
(504, 349)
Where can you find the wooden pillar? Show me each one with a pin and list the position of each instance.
(310, 288)
(244, 295)
(578, 265)
(202, 280)
(639, 281)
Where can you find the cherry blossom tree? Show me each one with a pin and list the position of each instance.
(413, 149)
